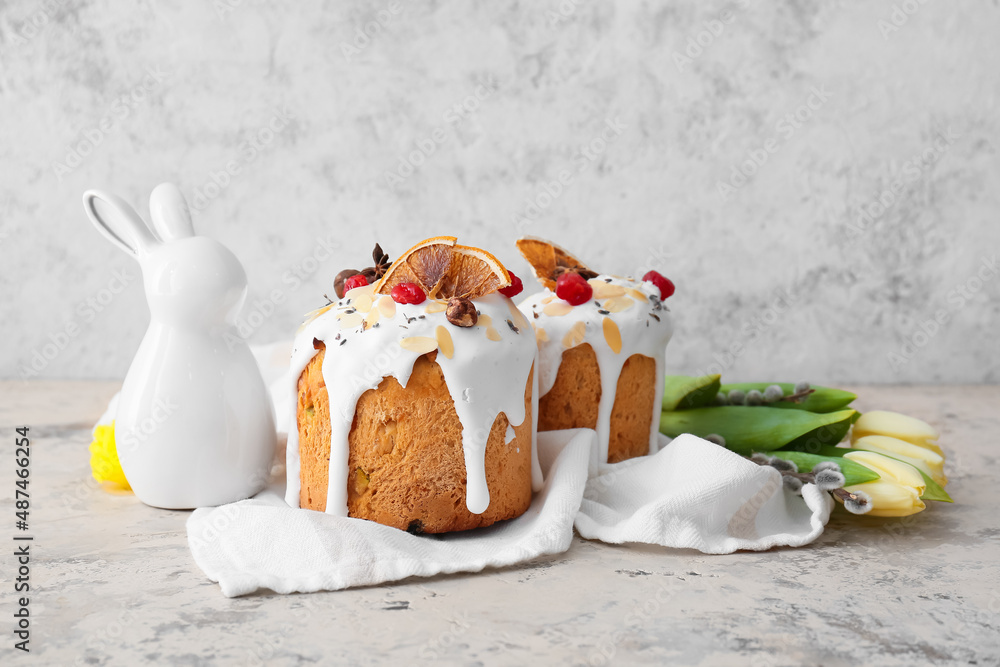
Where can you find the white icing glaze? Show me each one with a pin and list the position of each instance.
(643, 324)
(367, 338)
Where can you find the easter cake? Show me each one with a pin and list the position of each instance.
(601, 342)
(415, 395)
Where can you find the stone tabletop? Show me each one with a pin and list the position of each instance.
(113, 582)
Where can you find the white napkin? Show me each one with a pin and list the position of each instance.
(694, 494)
(690, 494)
(264, 543)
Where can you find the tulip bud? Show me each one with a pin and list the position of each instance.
(893, 424)
(919, 457)
(890, 469)
(889, 498)
(897, 491)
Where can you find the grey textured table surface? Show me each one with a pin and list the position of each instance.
(113, 581)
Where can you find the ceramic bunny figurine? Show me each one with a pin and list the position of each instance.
(195, 424)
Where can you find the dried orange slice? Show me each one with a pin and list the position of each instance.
(473, 273)
(548, 260)
(443, 270)
(423, 264)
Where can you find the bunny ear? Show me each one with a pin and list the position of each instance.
(125, 228)
(170, 213)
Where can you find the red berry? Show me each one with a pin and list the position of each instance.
(572, 288)
(515, 287)
(663, 284)
(357, 280)
(407, 293)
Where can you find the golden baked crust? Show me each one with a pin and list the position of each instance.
(573, 400)
(406, 461)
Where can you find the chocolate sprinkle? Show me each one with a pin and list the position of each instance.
(512, 327)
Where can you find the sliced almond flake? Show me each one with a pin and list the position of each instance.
(603, 290)
(387, 306)
(350, 321)
(436, 306)
(372, 318)
(618, 304)
(419, 344)
(362, 302)
(557, 309)
(548, 298)
(493, 334)
(540, 335)
(313, 314)
(612, 335)
(636, 294)
(444, 342)
(484, 320)
(575, 335)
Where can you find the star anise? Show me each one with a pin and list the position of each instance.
(382, 262)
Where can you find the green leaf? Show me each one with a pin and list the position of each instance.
(854, 473)
(682, 392)
(757, 429)
(824, 399)
(933, 490)
(827, 435)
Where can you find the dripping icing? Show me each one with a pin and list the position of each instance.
(481, 375)
(630, 306)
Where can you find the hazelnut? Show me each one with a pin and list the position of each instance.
(338, 282)
(462, 312)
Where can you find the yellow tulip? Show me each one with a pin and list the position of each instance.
(896, 425)
(897, 491)
(890, 469)
(888, 498)
(104, 464)
(919, 457)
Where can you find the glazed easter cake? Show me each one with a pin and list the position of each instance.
(601, 342)
(415, 393)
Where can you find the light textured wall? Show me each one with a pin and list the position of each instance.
(786, 265)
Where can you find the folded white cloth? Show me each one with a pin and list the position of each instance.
(690, 494)
(697, 495)
(264, 543)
